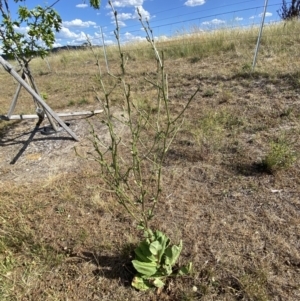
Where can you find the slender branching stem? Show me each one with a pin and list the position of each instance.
(137, 183)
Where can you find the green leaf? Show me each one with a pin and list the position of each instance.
(166, 270)
(172, 254)
(39, 21)
(141, 256)
(158, 283)
(149, 234)
(185, 270)
(155, 247)
(140, 283)
(164, 242)
(145, 268)
(143, 253)
(140, 225)
(95, 3)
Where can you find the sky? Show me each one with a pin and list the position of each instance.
(166, 18)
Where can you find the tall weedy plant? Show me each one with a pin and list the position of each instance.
(132, 165)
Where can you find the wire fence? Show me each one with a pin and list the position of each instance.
(201, 20)
(180, 26)
(189, 31)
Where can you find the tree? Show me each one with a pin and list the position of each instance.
(39, 36)
(41, 24)
(291, 11)
(95, 3)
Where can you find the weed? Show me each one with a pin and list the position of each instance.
(64, 60)
(42, 72)
(208, 93)
(286, 112)
(194, 59)
(44, 95)
(137, 181)
(71, 103)
(225, 96)
(83, 101)
(210, 129)
(254, 286)
(279, 156)
(246, 67)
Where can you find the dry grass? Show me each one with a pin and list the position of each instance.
(231, 185)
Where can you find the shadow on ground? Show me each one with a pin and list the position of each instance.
(251, 169)
(110, 266)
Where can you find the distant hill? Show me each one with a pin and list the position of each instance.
(70, 47)
(56, 49)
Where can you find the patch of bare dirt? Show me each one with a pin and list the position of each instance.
(29, 154)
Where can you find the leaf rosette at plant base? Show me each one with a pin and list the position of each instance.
(155, 260)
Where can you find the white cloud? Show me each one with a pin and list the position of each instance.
(145, 15)
(56, 44)
(81, 5)
(213, 22)
(21, 29)
(124, 16)
(194, 2)
(109, 42)
(261, 14)
(267, 14)
(81, 38)
(128, 37)
(121, 16)
(78, 23)
(238, 19)
(65, 33)
(217, 21)
(130, 16)
(162, 38)
(126, 3)
(121, 23)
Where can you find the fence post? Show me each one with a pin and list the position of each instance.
(259, 35)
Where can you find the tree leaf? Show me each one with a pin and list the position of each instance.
(95, 3)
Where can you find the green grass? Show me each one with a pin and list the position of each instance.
(280, 155)
(236, 42)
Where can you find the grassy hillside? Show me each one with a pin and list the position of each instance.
(231, 179)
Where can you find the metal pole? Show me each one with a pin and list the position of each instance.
(36, 96)
(259, 35)
(14, 102)
(104, 50)
(22, 117)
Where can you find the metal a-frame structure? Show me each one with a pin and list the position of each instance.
(42, 107)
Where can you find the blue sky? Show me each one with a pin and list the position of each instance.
(167, 18)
